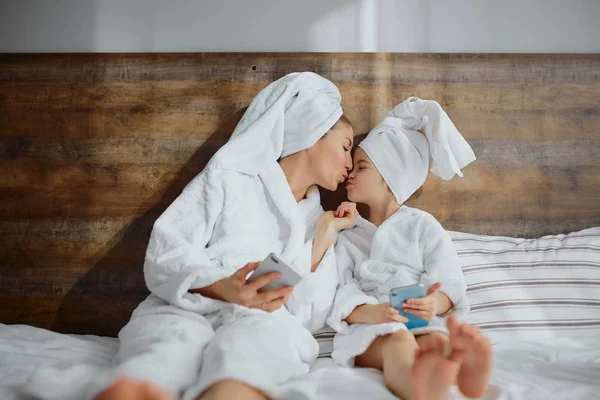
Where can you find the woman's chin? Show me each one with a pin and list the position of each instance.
(333, 186)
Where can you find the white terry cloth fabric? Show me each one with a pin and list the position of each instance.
(409, 247)
(402, 154)
(287, 116)
(238, 210)
(199, 239)
(557, 368)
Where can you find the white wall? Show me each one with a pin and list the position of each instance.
(301, 25)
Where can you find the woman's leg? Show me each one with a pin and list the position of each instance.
(126, 388)
(394, 355)
(231, 389)
(252, 355)
(163, 344)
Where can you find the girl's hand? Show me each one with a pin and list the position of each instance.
(425, 308)
(345, 216)
(375, 314)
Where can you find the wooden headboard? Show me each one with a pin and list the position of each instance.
(94, 147)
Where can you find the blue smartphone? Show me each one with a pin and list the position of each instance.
(400, 295)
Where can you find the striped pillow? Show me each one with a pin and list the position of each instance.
(325, 339)
(527, 289)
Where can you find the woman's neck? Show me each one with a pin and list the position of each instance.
(294, 167)
(379, 212)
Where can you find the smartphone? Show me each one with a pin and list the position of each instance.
(400, 295)
(272, 263)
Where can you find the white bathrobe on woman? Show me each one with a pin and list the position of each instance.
(222, 221)
(237, 210)
(409, 247)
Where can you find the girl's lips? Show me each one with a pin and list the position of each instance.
(348, 183)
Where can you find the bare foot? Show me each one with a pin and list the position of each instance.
(435, 370)
(128, 389)
(474, 374)
(232, 389)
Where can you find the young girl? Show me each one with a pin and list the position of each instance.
(401, 246)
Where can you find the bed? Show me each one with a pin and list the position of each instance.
(93, 147)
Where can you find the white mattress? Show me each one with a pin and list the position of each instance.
(558, 369)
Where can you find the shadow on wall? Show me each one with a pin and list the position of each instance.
(126, 288)
(116, 284)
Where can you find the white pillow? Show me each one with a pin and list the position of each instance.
(527, 289)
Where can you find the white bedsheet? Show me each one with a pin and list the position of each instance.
(559, 369)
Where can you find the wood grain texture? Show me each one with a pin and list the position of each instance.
(94, 147)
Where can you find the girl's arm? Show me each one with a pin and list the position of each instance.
(441, 265)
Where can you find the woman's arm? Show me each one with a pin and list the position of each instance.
(331, 222)
(323, 239)
(177, 266)
(314, 295)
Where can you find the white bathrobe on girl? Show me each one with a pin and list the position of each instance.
(237, 210)
(409, 247)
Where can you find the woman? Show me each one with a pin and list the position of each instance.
(205, 331)
(257, 195)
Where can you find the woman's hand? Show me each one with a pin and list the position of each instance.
(374, 314)
(426, 308)
(236, 289)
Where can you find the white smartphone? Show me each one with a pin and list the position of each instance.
(289, 276)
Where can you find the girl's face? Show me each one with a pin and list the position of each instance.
(365, 184)
(330, 158)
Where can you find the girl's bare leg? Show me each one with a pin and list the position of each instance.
(394, 355)
(434, 371)
(474, 375)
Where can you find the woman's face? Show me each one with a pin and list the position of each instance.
(330, 157)
(365, 184)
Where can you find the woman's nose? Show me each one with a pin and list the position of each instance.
(348, 162)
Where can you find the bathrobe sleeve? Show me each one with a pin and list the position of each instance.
(441, 264)
(176, 258)
(313, 296)
(349, 295)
